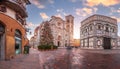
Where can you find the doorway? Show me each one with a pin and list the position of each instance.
(58, 43)
(106, 43)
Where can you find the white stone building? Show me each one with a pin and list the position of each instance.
(99, 32)
(62, 30)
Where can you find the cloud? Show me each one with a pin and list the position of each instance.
(41, 3)
(59, 15)
(118, 18)
(31, 25)
(59, 10)
(85, 11)
(118, 10)
(114, 10)
(44, 16)
(51, 1)
(73, 0)
(102, 2)
(65, 14)
(38, 4)
(95, 9)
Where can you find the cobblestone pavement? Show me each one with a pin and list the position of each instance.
(65, 59)
(22, 61)
(81, 59)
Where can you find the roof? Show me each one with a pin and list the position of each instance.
(93, 17)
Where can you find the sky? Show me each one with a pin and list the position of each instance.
(42, 10)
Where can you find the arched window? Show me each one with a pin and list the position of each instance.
(107, 28)
(17, 33)
(86, 29)
(91, 28)
(113, 29)
(59, 38)
(18, 41)
(68, 21)
(99, 27)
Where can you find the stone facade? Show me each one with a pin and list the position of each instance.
(12, 27)
(35, 40)
(62, 30)
(99, 32)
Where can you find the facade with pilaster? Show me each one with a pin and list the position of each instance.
(99, 32)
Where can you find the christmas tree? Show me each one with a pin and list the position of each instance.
(46, 37)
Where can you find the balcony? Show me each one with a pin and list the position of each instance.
(20, 19)
(16, 6)
(18, 3)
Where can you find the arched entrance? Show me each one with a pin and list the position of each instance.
(18, 42)
(58, 43)
(65, 43)
(2, 41)
(59, 39)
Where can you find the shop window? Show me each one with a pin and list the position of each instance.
(18, 42)
(1, 28)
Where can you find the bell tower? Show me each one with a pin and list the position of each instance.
(69, 28)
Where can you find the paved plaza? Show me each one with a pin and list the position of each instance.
(65, 59)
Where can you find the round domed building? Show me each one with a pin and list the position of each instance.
(99, 32)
